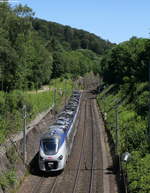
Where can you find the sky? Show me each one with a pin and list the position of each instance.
(113, 20)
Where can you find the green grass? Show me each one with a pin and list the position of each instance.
(11, 104)
(8, 179)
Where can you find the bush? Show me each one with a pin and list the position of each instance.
(132, 121)
(138, 173)
(8, 179)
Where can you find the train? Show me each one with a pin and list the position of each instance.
(56, 144)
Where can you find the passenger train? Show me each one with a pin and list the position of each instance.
(56, 144)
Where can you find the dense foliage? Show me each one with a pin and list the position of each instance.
(125, 73)
(128, 60)
(23, 57)
(32, 51)
(64, 37)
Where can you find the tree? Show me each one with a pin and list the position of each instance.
(75, 44)
(23, 11)
(58, 68)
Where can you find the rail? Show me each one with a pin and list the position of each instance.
(81, 153)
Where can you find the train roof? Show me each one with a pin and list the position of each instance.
(54, 134)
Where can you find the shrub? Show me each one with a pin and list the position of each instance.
(8, 179)
(132, 121)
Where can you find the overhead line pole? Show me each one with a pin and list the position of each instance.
(117, 130)
(24, 135)
(117, 136)
(65, 91)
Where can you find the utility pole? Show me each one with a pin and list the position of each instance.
(54, 96)
(117, 141)
(54, 102)
(65, 92)
(118, 162)
(117, 131)
(72, 85)
(24, 135)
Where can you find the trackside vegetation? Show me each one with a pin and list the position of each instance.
(8, 179)
(126, 94)
(37, 101)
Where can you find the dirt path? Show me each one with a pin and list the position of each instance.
(43, 89)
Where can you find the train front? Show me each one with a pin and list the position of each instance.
(52, 153)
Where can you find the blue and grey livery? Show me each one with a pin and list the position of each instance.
(56, 144)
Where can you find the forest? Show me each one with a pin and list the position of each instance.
(33, 51)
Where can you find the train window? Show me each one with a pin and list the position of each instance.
(50, 146)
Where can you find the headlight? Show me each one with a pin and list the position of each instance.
(60, 157)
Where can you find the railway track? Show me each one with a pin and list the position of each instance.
(92, 164)
(81, 154)
(84, 171)
(90, 160)
(88, 123)
(85, 166)
(51, 190)
(36, 187)
(46, 184)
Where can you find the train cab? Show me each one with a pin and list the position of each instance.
(53, 151)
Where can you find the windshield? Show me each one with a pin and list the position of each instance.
(50, 146)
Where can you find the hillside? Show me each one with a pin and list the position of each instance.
(33, 51)
(70, 38)
(125, 101)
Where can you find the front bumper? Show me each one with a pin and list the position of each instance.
(51, 165)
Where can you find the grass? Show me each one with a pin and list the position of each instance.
(8, 179)
(11, 104)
